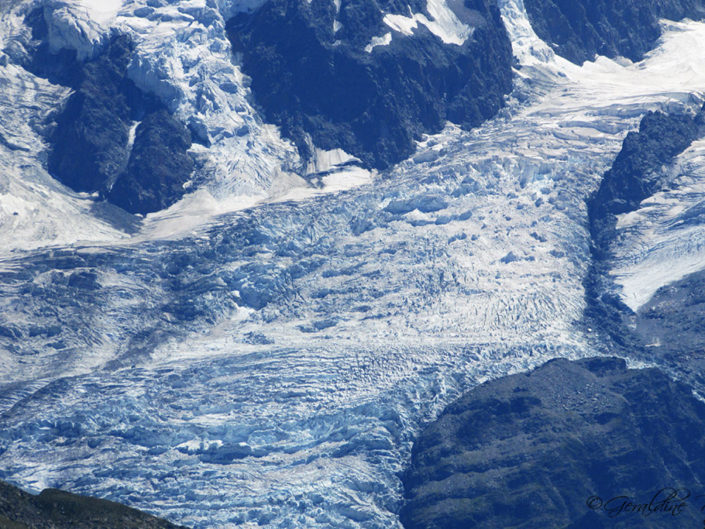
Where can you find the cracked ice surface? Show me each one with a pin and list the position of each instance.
(271, 367)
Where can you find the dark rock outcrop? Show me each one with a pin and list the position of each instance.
(580, 29)
(158, 166)
(528, 450)
(321, 86)
(672, 325)
(90, 144)
(637, 172)
(56, 509)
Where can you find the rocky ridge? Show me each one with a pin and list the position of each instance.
(56, 509)
(353, 76)
(106, 127)
(667, 328)
(530, 450)
(581, 29)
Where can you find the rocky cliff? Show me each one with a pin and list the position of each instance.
(56, 509)
(580, 29)
(637, 172)
(110, 137)
(552, 447)
(370, 77)
(667, 328)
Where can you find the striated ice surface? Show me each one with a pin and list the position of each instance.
(270, 366)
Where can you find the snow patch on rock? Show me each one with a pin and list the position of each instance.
(664, 240)
(72, 26)
(384, 40)
(444, 23)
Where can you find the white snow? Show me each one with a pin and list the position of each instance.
(323, 160)
(71, 27)
(444, 23)
(101, 11)
(132, 134)
(664, 240)
(529, 49)
(384, 40)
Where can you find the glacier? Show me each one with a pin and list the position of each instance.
(263, 352)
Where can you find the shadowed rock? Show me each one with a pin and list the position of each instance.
(56, 509)
(158, 168)
(637, 172)
(526, 451)
(90, 148)
(580, 29)
(325, 85)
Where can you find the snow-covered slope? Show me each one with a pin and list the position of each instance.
(270, 367)
(664, 240)
(182, 56)
(35, 210)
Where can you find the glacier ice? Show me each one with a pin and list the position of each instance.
(269, 366)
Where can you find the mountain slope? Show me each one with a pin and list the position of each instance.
(581, 29)
(55, 509)
(647, 228)
(370, 78)
(550, 448)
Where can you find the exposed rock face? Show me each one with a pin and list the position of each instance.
(158, 167)
(637, 171)
(344, 78)
(89, 144)
(55, 509)
(670, 325)
(528, 450)
(91, 149)
(580, 29)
